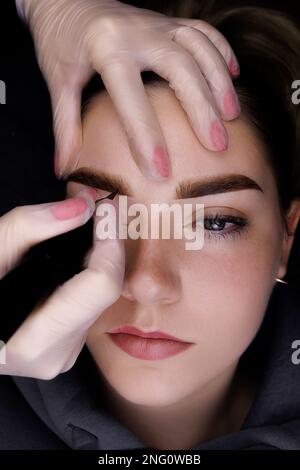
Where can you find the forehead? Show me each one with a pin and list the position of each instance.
(105, 145)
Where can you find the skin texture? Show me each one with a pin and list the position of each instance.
(190, 397)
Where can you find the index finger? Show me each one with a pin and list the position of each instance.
(219, 41)
(144, 134)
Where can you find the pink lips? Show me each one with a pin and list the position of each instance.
(150, 346)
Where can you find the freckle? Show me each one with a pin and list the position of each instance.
(160, 161)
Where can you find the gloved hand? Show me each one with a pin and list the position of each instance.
(49, 341)
(76, 38)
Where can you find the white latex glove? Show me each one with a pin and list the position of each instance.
(50, 339)
(76, 38)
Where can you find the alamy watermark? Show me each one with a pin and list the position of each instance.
(296, 94)
(295, 357)
(2, 352)
(178, 221)
(2, 92)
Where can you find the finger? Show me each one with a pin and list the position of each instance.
(184, 76)
(83, 298)
(219, 41)
(143, 131)
(213, 67)
(66, 102)
(25, 226)
(74, 355)
(52, 336)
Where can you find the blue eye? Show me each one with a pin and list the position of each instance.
(224, 226)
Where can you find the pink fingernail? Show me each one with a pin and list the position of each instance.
(234, 67)
(231, 104)
(218, 135)
(75, 206)
(69, 208)
(160, 161)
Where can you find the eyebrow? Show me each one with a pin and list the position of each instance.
(186, 189)
(215, 185)
(100, 180)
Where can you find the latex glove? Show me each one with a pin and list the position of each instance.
(75, 38)
(50, 339)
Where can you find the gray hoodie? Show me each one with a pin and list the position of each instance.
(68, 404)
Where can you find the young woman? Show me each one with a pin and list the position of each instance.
(232, 382)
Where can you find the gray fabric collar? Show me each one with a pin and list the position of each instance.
(69, 410)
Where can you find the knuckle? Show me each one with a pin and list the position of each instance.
(31, 360)
(183, 76)
(48, 373)
(104, 30)
(181, 31)
(104, 25)
(43, 370)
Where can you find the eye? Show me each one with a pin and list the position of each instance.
(218, 223)
(223, 226)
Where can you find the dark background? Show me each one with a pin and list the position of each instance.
(26, 138)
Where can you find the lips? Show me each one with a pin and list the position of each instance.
(153, 334)
(148, 346)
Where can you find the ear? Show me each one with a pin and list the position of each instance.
(292, 219)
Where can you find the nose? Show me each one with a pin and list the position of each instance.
(151, 277)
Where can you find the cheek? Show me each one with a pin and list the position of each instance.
(227, 286)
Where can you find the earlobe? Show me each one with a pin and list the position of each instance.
(292, 219)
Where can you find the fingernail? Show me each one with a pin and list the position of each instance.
(155, 166)
(161, 162)
(231, 104)
(82, 203)
(234, 67)
(158, 167)
(218, 135)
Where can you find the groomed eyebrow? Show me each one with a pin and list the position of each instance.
(215, 185)
(100, 180)
(186, 189)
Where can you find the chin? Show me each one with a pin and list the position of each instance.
(144, 387)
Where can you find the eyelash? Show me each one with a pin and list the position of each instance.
(241, 225)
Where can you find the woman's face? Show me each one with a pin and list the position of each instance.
(214, 297)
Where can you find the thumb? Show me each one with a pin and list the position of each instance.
(25, 226)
